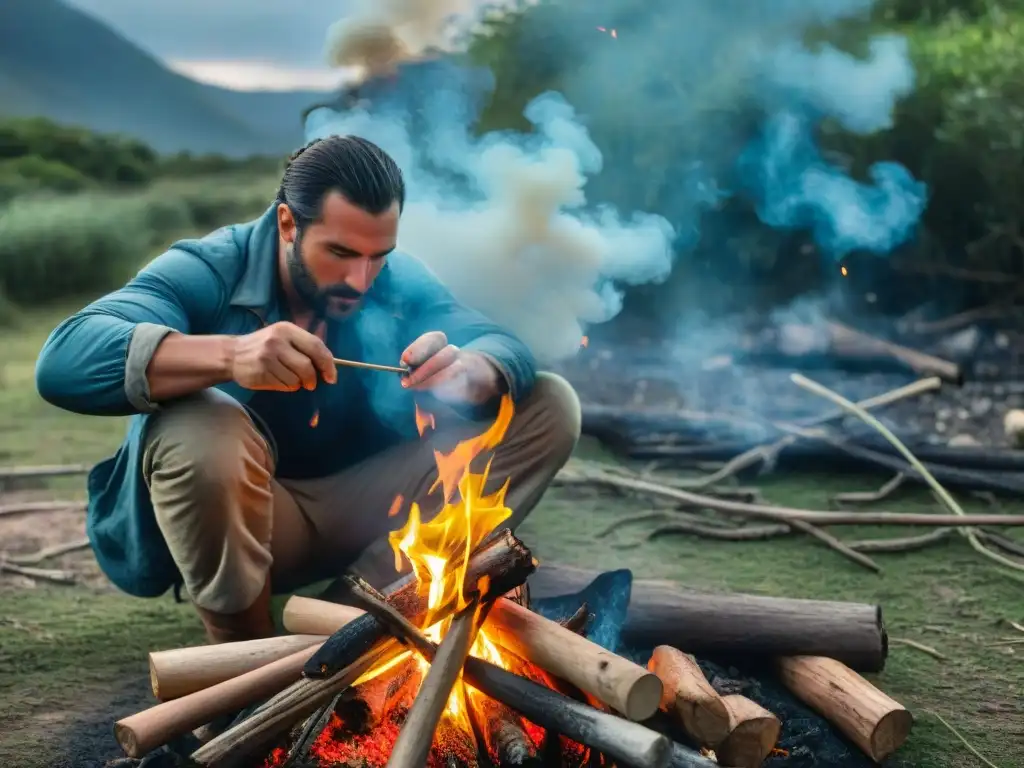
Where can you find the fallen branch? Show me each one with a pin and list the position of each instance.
(766, 452)
(652, 517)
(948, 501)
(30, 507)
(57, 577)
(45, 554)
(919, 647)
(57, 470)
(836, 545)
(902, 544)
(871, 497)
(784, 514)
(746, 533)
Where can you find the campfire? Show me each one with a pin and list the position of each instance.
(453, 666)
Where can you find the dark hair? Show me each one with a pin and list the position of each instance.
(358, 169)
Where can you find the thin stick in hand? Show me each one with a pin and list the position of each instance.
(371, 366)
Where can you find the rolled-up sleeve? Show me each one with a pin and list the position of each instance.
(95, 362)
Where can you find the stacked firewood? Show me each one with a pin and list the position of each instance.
(561, 682)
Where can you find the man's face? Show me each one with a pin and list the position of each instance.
(339, 256)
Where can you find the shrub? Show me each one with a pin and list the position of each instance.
(106, 159)
(81, 245)
(51, 248)
(32, 173)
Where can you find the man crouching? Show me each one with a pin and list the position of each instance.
(253, 464)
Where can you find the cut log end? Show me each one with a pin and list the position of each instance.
(125, 736)
(643, 698)
(890, 733)
(873, 721)
(753, 732)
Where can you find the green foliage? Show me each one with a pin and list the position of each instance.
(188, 165)
(961, 131)
(106, 159)
(58, 247)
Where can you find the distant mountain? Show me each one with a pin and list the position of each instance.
(61, 63)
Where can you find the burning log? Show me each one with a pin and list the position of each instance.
(737, 624)
(497, 566)
(181, 671)
(689, 697)
(501, 732)
(869, 718)
(288, 707)
(626, 687)
(753, 732)
(620, 739)
(413, 745)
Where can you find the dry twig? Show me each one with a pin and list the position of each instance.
(745, 533)
(569, 476)
(41, 506)
(47, 552)
(948, 501)
(965, 742)
(57, 577)
(871, 497)
(901, 544)
(919, 646)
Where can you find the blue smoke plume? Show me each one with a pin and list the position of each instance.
(504, 218)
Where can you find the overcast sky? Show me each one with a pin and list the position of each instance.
(238, 43)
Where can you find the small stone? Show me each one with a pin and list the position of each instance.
(944, 414)
(1013, 427)
(940, 427)
(964, 441)
(981, 406)
(1002, 341)
(963, 414)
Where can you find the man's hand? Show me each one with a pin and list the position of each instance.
(281, 357)
(449, 373)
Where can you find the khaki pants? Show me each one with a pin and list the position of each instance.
(229, 523)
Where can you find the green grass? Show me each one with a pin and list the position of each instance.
(69, 647)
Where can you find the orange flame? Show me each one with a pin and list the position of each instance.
(424, 421)
(438, 550)
(316, 419)
(843, 270)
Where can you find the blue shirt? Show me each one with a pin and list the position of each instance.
(95, 363)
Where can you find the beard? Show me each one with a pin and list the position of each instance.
(327, 302)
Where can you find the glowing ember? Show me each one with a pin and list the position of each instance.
(585, 342)
(843, 271)
(315, 420)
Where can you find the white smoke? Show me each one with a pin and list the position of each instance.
(379, 34)
(504, 219)
(523, 249)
